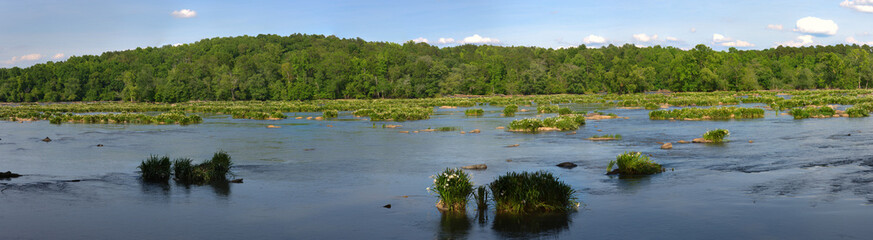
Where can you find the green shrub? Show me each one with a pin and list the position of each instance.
(330, 113)
(716, 135)
(454, 187)
(717, 113)
(481, 196)
(510, 110)
(564, 111)
(474, 112)
(210, 171)
(857, 112)
(531, 193)
(547, 108)
(633, 163)
(799, 113)
(652, 106)
(155, 169)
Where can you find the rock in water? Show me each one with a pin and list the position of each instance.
(567, 165)
(99, 145)
(273, 126)
(46, 139)
(513, 145)
(476, 167)
(387, 206)
(667, 146)
(9, 174)
(682, 141)
(238, 180)
(700, 140)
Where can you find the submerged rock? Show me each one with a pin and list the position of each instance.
(476, 167)
(475, 131)
(238, 180)
(387, 206)
(99, 145)
(273, 126)
(9, 174)
(682, 141)
(513, 145)
(501, 127)
(46, 139)
(700, 140)
(567, 165)
(667, 146)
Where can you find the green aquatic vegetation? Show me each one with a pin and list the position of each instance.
(481, 196)
(857, 112)
(474, 112)
(446, 129)
(155, 169)
(510, 110)
(526, 192)
(633, 163)
(614, 136)
(209, 171)
(564, 111)
(127, 118)
(717, 113)
(527, 124)
(547, 108)
(812, 112)
(651, 106)
(716, 135)
(330, 114)
(453, 187)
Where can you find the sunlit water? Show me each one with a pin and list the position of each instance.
(808, 179)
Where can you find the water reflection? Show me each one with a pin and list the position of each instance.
(220, 188)
(530, 226)
(454, 226)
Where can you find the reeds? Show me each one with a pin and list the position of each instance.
(563, 123)
(527, 192)
(155, 169)
(633, 163)
(330, 113)
(719, 113)
(510, 110)
(474, 112)
(454, 187)
(716, 135)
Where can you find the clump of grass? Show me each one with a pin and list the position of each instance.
(510, 110)
(614, 136)
(481, 196)
(547, 108)
(565, 111)
(857, 112)
(563, 123)
(527, 124)
(446, 129)
(719, 113)
(454, 187)
(155, 169)
(531, 193)
(716, 135)
(633, 163)
(330, 113)
(210, 171)
(652, 106)
(474, 112)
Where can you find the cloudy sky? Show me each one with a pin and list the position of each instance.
(37, 31)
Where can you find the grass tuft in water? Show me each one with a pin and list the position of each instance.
(330, 113)
(716, 135)
(454, 187)
(614, 136)
(481, 196)
(210, 171)
(527, 192)
(474, 112)
(155, 169)
(633, 163)
(510, 110)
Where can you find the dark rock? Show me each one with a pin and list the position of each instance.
(9, 174)
(567, 165)
(238, 180)
(387, 206)
(308, 149)
(46, 139)
(99, 145)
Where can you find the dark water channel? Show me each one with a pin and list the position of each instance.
(799, 179)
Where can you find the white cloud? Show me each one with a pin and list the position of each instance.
(777, 27)
(184, 13)
(476, 39)
(859, 5)
(446, 40)
(693, 30)
(420, 40)
(729, 42)
(719, 38)
(58, 56)
(852, 40)
(814, 25)
(672, 39)
(642, 37)
(28, 57)
(594, 39)
(805, 40)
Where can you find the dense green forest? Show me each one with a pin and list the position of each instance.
(301, 67)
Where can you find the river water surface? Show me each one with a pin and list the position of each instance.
(798, 179)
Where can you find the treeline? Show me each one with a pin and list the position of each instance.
(301, 67)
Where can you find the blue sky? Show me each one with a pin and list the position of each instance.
(36, 31)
